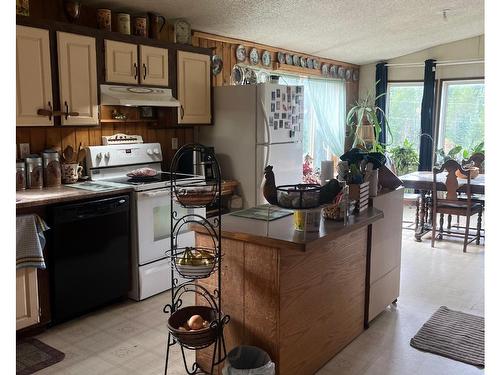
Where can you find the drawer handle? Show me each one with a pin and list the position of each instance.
(144, 66)
(136, 71)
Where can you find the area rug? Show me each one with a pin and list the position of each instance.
(453, 334)
(33, 355)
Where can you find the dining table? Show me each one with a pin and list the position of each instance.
(422, 182)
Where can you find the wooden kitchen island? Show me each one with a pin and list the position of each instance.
(300, 296)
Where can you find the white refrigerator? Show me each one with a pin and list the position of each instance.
(255, 126)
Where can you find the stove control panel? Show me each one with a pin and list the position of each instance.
(123, 154)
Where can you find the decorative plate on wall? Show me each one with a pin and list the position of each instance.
(254, 56)
(281, 57)
(303, 62)
(289, 59)
(310, 63)
(325, 69)
(296, 60)
(333, 71)
(266, 58)
(241, 53)
(216, 64)
(348, 74)
(341, 72)
(355, 75)
(238, 75)
(315, 64)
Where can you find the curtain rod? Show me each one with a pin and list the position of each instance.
(438, 63)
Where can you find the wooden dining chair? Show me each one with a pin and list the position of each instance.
(478, 160)
(451, 204)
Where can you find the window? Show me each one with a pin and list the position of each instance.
(461, 121)
(403, 103)
(324, 116)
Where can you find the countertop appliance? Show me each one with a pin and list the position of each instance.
(89, 257)
(255, 126)
(150, 210)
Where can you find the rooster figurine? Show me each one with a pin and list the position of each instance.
(269, 188)
(327, 192)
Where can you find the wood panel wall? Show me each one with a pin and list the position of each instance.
(58, 138)
(226, 48)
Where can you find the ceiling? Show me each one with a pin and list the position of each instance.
(355, 31)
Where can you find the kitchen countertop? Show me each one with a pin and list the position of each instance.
(50, 195)
(281, 233)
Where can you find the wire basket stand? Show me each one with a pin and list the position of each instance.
(199, 191)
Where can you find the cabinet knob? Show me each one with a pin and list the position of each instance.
(136, 71)
(144, 66)
(182, 112)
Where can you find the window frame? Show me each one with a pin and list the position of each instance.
(439, 121)
(399, 83)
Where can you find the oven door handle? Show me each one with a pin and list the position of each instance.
(156, 193)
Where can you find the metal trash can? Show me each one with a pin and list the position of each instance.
(248, 360)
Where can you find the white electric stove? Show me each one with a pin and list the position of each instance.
(150, 213)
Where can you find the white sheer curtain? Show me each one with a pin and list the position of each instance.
(327, 123)
(324, 116)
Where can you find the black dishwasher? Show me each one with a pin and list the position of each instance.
(89, 255)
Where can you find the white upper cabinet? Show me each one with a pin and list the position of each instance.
(121, 62)
(33, 77)
(77, 79)
(193, 85)
(154, 65)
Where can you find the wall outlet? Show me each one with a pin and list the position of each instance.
(175, 143)
(24, 150)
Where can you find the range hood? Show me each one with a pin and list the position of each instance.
(137, 96)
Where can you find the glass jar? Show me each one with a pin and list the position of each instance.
(20, 175)
(34, 172)
(51, 168)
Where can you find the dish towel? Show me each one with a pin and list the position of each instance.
(30, 241)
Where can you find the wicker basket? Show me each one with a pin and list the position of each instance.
(195, 339)
(197, 271)
(200, 196)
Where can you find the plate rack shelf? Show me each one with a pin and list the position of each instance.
(201, 190)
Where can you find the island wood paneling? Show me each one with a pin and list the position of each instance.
(300, 307)
(322, 302)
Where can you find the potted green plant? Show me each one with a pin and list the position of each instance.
(364, 124)
(405, 157)
(458, 153)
